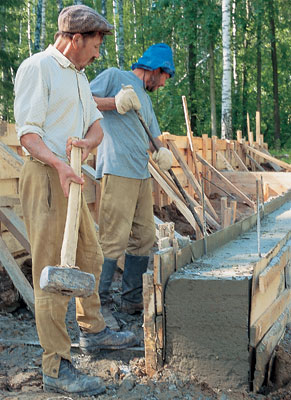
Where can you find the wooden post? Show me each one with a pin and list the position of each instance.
(248, 125)
(251, 138)
(213, 150)
(204, 155)
(223, 207)
(233, 205)
(199, 234)
(258, 126)
(149, 323)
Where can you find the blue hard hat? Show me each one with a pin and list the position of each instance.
(157, 56)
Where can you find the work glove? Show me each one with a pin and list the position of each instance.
(126, 99)
(163, 158)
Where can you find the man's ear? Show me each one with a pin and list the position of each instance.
(77, 40)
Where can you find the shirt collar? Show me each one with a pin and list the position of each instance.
(60, 58)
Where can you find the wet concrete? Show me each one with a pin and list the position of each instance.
(208, 303)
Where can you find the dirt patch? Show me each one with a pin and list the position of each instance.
(122, 371)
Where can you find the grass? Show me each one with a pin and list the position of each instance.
(282, 154)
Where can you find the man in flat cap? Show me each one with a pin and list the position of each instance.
(126, 221)
(53, 103)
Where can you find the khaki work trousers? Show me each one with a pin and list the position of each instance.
(44, 211)
(126, 220)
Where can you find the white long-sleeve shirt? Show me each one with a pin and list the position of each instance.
(53, 99)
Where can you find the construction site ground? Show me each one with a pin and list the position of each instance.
(122, 371)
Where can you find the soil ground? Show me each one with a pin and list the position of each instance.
(122, 371)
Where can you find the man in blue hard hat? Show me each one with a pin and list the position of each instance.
(126, 221)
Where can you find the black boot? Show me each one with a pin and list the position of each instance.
(108, 269)
(134, 268)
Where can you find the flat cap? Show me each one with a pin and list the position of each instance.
(82, 19)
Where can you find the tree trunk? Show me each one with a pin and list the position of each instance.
(226, 121)
(259, 58)
(245, 73)
(234, 71)
(37, 26)
(121, 34)
(43, 27)
(60, 5)
(275, 76)
(134, 21)
(212, 89)
(192, 57)
(115, 16)
(29, 41)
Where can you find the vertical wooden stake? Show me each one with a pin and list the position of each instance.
(248, 124)
(223, 207)
(149, 324)
(233, 205)
(213, 150)
(258, 126)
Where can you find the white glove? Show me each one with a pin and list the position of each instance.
(164, 158)
(126, 99)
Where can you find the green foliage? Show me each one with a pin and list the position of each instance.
(183, 25)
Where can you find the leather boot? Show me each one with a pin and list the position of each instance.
(108, 269)
(72, 381)
(131, 298)
(92, 343)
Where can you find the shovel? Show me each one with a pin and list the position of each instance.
(67, 278)
(173, 176)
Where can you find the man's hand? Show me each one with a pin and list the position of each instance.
(66, 176)
(126, 99)
(83, 143)
(163, 158)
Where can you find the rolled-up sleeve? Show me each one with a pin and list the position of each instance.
(31, 100)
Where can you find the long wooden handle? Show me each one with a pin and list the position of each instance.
(70, 240)
(170, 171)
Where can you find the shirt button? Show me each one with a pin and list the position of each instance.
(56, 357)
(54, 371)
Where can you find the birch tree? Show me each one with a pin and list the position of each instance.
(121, 34)
(226, 120)
(37, 26)
(275, 75)
(43, 25)
(60, 5)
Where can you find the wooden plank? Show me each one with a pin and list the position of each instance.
(10, 157)
(164, 266)
(240, 162)
(16, 275)
(9, 187)
(265, 349)
(190, 138)
(149, 324)
(224, 160)
(256, 164)
(179, 203)
(213, 149)
(270, 316)
(15, 225)
(9, 201)
(258, 126)
(241, 195)
(270, 158)
(267, 277)
(248, 126)
(191, 178)
(233, 206)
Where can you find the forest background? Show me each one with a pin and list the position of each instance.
(259, 49)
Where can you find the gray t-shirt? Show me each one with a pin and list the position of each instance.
(123, 151)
